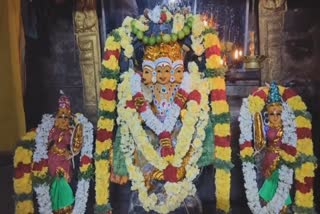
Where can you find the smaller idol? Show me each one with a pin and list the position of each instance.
(61, 150)
(276, 151)
(268, 139)
(64, 143)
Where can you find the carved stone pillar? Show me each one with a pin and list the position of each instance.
(87, 36)
(271, 22)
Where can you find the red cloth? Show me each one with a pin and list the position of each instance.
(271, 157)
(61, 139)
(170, 173)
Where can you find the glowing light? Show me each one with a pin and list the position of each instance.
(236, 54)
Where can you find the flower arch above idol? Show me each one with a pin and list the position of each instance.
(276, 151)
(46, 159)
(163, 112)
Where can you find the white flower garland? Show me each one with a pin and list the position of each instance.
(248, 168)
(41, 153)
(289, 126)
(133, 136)
(186, 132)
(176, 192)
(150, 119)
(81, 196)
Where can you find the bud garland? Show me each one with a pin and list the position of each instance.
(303, 162)
(38, 177)
(139, 29)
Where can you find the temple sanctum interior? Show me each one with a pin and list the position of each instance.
(159, 106)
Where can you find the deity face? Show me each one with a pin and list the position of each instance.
(274, 115)
(178, 73)
(62, 119)
(163, 73)
(147, 75)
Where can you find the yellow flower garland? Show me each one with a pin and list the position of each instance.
(23, 185)
(213, 63)
(112, 63)
(304, 146)
(181, 189)
(222, 176)
(210, 40)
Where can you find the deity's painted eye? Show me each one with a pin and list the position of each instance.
(63, 117)
(275, 114)
(167, 71)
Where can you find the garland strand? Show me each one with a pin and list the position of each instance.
(22, 178)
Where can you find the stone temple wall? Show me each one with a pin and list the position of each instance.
(52, 59)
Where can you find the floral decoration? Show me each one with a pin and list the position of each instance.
(22, 183)
(40, 167)
(296, 153)
(133, 136)
(174, 26)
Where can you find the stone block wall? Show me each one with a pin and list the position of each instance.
(52, 62)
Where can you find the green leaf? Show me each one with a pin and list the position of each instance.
(107, 114)
(102, 209)
(220, 118)
(110, 74)
(88, 174)
(304, 114)
(220, 72)
(104, 156)
(23, 197)
(222, 164)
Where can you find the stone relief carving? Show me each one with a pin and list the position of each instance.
(273, 4)
(88, 41)
(271, 23)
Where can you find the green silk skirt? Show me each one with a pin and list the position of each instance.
(61, 193)
(269, 188)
